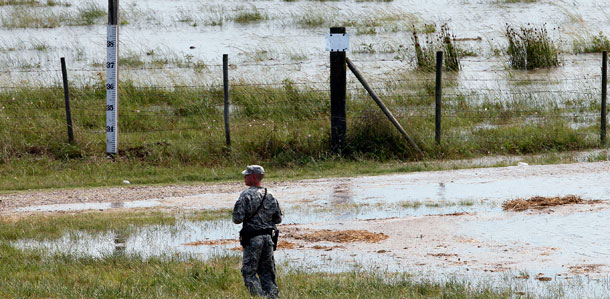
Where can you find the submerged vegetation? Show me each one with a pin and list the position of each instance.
(85, 14)
(594, 44)
(530, 48)
(425, 53)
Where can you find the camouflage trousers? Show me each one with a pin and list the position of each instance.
(258, 259)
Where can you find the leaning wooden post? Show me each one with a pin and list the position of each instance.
(64, 75)
(385, 110)
(225, 79)
(604, 94)
(338, 87)
(439, 72)
(112, 79)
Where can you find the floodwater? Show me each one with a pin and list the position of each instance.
(284, 46)
(441, 226)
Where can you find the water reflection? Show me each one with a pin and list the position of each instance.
(342, 193)
(120, 240)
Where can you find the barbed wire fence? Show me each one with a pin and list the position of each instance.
(288, 107)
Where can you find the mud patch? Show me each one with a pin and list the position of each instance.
(327, 248)
(343, 236)
(211, 242)
(584, 269)
(280, 245)
(442, 254)
(455, 214)
(541, 277)
(540, 202)
(285, 245)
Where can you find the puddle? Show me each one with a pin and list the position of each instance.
(91, 206)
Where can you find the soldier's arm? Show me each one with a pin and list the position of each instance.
(277, 216)
(239, 211)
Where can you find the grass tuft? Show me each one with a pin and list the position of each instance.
(530, 48)
(425, 54)
(595, 44)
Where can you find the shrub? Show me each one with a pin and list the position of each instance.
(530, 48)
(372, 135)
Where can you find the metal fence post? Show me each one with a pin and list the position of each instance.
(64, 75)
(438, 95)
(225, 79)
(604, 94)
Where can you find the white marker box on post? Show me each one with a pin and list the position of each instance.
(337, 42)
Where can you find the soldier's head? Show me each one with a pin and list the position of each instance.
(253, 175)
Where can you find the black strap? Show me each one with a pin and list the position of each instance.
(259, 207)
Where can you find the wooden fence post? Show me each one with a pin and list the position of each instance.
(225, 79)
(438, 94)
(64, 75)
(338, 87)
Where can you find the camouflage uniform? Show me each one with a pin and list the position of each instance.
(258, 253)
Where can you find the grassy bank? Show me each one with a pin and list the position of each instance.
(176, 135)
(32, 274)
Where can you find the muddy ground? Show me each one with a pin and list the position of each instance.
(458, 229)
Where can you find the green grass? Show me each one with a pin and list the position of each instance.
(34, 274)
(246, 16)
(177, 135)
(52, 226)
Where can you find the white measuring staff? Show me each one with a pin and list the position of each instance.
(112, 96)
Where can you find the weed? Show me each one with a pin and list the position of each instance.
(443, 41)
(89, 13)
(39, 45)
(530, 48)
(249, 16)
(595, 44)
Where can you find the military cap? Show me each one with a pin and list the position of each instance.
(253, 169)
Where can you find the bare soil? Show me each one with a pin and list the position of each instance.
(212, 242)
(337, 236)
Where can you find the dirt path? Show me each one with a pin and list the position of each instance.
(332, 189)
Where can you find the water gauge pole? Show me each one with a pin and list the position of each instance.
(112, 79)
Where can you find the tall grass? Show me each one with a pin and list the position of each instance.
(530, 48)
(425, 53)
(594, 44)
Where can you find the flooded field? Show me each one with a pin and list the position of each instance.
(182, 42)
(436, 225)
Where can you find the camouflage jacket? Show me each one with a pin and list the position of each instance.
(267, 217)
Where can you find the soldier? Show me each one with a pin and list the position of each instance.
(260, 212)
